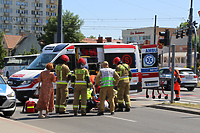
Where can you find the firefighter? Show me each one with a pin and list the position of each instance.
(80, 81)
(123, 87)
(107, 77)
(63, 76)
(177, 82)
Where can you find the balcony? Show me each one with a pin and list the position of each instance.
(6, 21)
(37, 8)
(6, 5)
(37, 24)
(22, 15)
(22, 23)
(6, 30)
(21, 31)
(52, 1)
(37, 31)
(6, 14)
(22, 7)
(37, 0)
(37, 16)
(51, 9)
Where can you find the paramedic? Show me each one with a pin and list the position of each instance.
(63, 76)
(176, 84)
(107, 76)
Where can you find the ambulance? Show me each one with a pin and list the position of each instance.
(25, 82)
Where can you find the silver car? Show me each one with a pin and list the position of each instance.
(188, 77)
(7, 98)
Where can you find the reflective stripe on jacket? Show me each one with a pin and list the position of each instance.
(107, 77)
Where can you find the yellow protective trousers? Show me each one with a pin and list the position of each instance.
(111, 94)
(123, 89)
(61, 94)
(80, 90)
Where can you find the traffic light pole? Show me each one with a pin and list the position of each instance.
(189, 45)
(172, 81)
(195, 51)
(59, 21)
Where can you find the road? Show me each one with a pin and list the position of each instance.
(140, 119)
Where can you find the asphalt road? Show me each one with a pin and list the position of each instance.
(140, 119)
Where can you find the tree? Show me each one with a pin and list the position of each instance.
(71, 29)
(32, 51)
(182, 25)
(93, 37)
(2, 51)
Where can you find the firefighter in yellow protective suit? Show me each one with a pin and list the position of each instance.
(123, 87)
(80, 81)
(63, 76)
(107, 77)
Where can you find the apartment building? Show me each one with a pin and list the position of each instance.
(26, 16)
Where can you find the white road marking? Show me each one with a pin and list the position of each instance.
(120, 118)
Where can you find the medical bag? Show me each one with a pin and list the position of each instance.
(29, 107)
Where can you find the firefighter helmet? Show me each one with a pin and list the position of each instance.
(65, 58)
(116, 60)
(81, 60)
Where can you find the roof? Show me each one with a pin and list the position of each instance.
(12, 40)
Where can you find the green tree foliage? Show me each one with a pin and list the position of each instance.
(2, 51)
(71, 29)
(182, 25)
(32, 51)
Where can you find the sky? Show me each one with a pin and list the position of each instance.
(107, 18)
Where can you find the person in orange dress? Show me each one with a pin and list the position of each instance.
(46, 95)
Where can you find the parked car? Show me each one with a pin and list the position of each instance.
(7, 98)
(188, 77)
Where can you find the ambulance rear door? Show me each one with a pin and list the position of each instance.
(149, 70)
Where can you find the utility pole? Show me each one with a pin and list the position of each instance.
(154, 42)
(59, 21)
(189, 45)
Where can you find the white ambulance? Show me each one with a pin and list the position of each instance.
(24, 82)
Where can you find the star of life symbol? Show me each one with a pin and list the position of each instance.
(149, 60)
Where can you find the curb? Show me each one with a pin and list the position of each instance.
(176, 108)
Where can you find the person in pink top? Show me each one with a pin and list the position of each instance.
(46, 95)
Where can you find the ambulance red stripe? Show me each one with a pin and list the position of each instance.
(150, 75)
(149, 46)
(118, 46)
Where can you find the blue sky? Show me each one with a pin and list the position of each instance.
(109, 17)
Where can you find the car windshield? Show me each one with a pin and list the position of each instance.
(1, 80)
(165, 71)
(40, 62)
(186, 72)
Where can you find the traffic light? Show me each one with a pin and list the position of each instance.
(165, 40)
(177, 34)
(182, 33)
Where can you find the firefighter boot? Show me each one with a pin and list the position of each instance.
(83, 113)
(100, 113)
(120, 108)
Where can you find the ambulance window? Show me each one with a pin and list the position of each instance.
(149, 60)
(128, 58)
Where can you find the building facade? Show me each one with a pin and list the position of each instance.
(20, 16)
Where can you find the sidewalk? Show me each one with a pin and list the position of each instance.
(11, 126)
(176, 108)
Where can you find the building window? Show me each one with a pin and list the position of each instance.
(143, 39)
(182, 59)
(47, 6)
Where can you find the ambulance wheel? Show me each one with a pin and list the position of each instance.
(159, 96)
(166, 97)
(147, 96)
(153, 97)
(8, 113)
